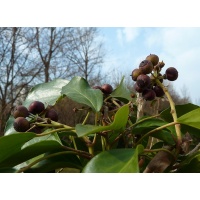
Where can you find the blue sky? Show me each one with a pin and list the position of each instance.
(177, 47)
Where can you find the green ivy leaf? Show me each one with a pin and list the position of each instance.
(20, 147)
(29, 153)
(56, 162)
(180, 110)
(121, 117)
(8, 170)
(121, 92)
(191, 130)
(119, 122)
(47, 93)
(11, 144)
(79, 90)
(191, 118)
(115, 161)
(50, 137)
(191, 164)
(9, 129)
(150, 124)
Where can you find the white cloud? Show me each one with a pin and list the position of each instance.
(179, 40)
(173, 40)
(131, 33)
(153, 37)
(127, 34)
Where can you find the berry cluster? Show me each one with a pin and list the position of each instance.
(147, 85)
(25, 118)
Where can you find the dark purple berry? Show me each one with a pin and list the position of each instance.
(36, 107)
(52, 114)
(143, 81)
(159, 91)
(21, 124)
(148, 94)
(137, 88)
(20, 111)
(171, 74)
(107, 89)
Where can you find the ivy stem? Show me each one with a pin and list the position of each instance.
(116, 103)
(55, 130)
(63, 125)
(150, 143)
(108, 97)
(74, 143)
(96, 118)
(174, 115)
(155, 130)
(86, 118)
(49, 125)
(79, 152)
(116, 139)
(91, 149)
(86, 139)
(103, 143)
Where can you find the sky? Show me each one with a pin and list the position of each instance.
(178, 47)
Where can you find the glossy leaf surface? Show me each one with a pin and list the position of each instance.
(122, 91)
(56, 162)
(79, 90)
(180, 110)
(191, 118)
(30, 152)
(11, 144)
(151, 124)
(115, 161)
(20, 147)
(191, 164)
(48, 93)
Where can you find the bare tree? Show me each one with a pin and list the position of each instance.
(86, 54)
(66, 52)
(185, 95)
(17, 68)
(49, 44)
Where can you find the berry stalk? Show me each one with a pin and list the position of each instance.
(174, 115)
